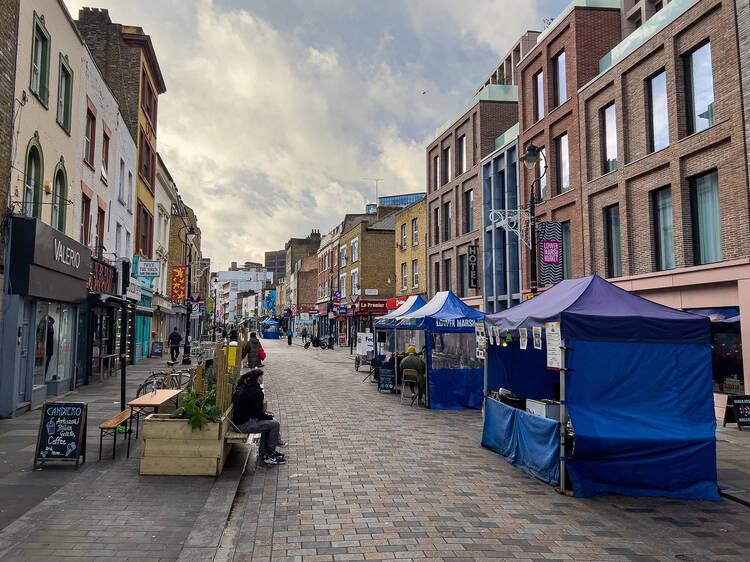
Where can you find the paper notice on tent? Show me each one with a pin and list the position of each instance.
(523, 337)
(554, 345)
(481, 339)
(537, 331)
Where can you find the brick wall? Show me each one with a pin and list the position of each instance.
(742, 9)
(720, 147)
(411, 252)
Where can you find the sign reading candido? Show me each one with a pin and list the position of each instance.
(179, 283)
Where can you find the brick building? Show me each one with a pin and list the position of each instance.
(453, 187)
(328, 275)
(128, 60)
(564, 59)
(411, 249)
(506, 72)
(296, 250)
(665, 186)
(275, 262)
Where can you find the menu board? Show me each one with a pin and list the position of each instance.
(62, 433)
(738, 411)
(387, 379)
(157, 348)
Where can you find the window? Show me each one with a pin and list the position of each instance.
(59, 200)
(567, 257)
(85, 219)
(33, 183)
(404, 276)
(355, 281)
(415, 273)
(342, 252)
(608, 136)
(144, 232)
(105, 154)
(704, 199)
(469, 211)
(612, 233)
(562, 156)
(64, 94)
(342, 285)
(699, 88)
(436, 277)
(100, 224)
(403, 236)
(414, 232)
(121, 185)
(128, 246)
(447, 214)
(658, 6)
(130, 192)
(638, 23)
(461, 155)
(463, 266)
(436, 223)
(148, 99)
(542, 178)
(436, 172)
(448, 164)
(118, 240)
(561, 87)
(661, 205)
(355, 250)
(147, 162)
(448, 275)
(539, 95)
(658, 113)
(89, 138)
(39, 84)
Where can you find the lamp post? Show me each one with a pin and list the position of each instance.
(530, 159)
(215, 305)
(188, 303)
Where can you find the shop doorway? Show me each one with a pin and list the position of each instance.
(25, 379)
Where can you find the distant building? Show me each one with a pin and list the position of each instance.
(275, 262)
(403, 200)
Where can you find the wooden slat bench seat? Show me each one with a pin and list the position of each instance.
(109, 427)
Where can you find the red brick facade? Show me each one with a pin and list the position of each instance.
(719, 147)
(585, 35)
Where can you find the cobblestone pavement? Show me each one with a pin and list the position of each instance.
(370, 478)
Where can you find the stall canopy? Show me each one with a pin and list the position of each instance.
(270, 328)
(457, 380)
(638, 387)
(411, 304)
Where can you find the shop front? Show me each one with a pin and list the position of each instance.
(143, 316)
(366, 310)
(46, 283)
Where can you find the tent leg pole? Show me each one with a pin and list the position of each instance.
(563, 419)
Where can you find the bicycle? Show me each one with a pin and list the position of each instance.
(164, 380)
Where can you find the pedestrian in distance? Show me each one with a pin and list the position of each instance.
(289, 337)
(233, 333)
(415, 362)
(304, 335)
(253, 350)
(174, 344)
(249, 417)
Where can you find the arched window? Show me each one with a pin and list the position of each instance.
(33, 180)
(59, 198)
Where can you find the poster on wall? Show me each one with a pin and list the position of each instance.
(554, 345)
(537, 334)
(550, 253)
(523, 337)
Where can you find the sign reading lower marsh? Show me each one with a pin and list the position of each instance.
(62, 433)
(455, 323)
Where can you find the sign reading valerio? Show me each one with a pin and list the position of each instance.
(179, 283)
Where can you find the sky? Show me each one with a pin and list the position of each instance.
(277, 110)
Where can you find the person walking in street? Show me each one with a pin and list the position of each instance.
(304, 335)
(233, 333)
(252, 351)
(174, 344)
(289, 337)
(249, 416)
(415, 362)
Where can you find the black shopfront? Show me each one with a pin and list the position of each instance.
(46, 281)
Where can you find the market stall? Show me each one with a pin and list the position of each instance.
(454, 375)
(628, 380)
(389, 342)
(269, 329)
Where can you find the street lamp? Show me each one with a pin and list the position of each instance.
(189, 235)
(530, 160)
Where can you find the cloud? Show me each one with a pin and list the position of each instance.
(275, 112)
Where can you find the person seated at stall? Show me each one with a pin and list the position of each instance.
(249, 417)
(414, 362)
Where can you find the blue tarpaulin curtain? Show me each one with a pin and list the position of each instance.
(456, 389)
(522, 371)
(529, 442)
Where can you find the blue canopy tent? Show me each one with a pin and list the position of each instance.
(385, 332)
(269, 329)
(635, 380)
(455, 379)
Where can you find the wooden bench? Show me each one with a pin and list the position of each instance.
(109, 427)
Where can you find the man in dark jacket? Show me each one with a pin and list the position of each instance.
(249, 417)
(174, 344)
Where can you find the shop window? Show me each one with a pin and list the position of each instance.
(53, 352)
(699, 88)
(726, 358)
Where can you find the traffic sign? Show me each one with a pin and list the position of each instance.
(195, 296)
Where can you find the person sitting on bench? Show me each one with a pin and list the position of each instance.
(249, 416)
(415, 362)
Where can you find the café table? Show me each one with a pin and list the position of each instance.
(152, 400)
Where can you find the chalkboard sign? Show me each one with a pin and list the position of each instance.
(157, 348)
(738, 411)
(62, 433)
(387, 379)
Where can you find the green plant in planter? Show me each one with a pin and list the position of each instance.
(198, 408)
(209, 376)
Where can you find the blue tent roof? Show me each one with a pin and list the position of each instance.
(444, 313)
(269, 322)
(593, 309)
(411, 304)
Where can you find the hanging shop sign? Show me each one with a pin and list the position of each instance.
(372, 307)
(134, 290)
(149, 268)
(473, 257)
(550, 253)
(392, 304)
(102, 278)
(179, 283)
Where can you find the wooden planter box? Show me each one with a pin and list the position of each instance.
(171, 446)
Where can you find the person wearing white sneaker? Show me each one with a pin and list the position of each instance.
(249, 417)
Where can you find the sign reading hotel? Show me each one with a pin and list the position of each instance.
(179, 283)
(473, 250)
